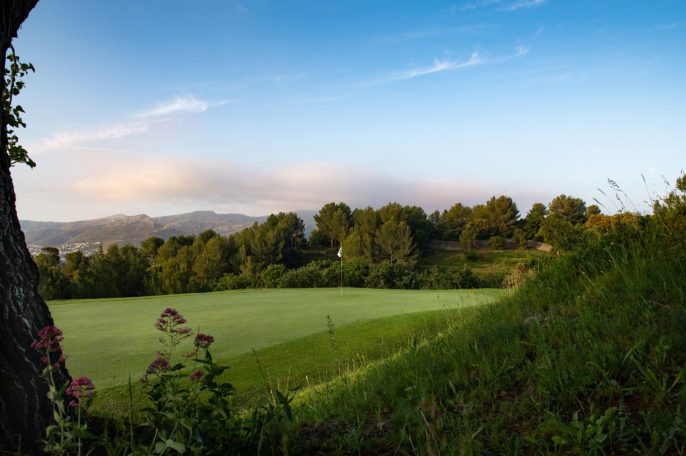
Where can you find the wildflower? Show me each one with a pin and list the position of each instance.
(81, 390)
(203, 340)
(48, 341)
(160, 364)
(169, 322)
(169, 317)
(197, 376)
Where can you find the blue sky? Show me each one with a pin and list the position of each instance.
(162, 107)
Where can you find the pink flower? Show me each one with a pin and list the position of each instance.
(160, 364)
(169, 322)
(48, 341)
(203, 340)
(81, 389)
(197, 375)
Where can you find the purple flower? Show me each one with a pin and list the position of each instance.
(81, 389)
(160, 364)
(169, 322)
(203, 340)
(48, 341)
(197, 375)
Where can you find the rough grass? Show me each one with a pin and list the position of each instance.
(485, 261)
(587, 358)
(110, 339)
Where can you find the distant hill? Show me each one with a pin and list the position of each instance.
(87, 235)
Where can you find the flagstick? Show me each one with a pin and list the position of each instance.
(340, 255)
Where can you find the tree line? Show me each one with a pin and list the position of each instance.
(381, 247)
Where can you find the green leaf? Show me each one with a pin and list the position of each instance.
(177, 446)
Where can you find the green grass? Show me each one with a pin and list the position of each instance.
(308, 361)
(108, 339)
(589, 357)
(487, 261)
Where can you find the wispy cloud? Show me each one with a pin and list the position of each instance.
(434, 32)
(177, 105)
(135, 124)
(67, 139)
(442, 65)
(503, 5)
(522, 4)
(287, 77)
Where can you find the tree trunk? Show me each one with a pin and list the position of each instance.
(24, 408)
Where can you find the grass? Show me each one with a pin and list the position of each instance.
(589, 357)
(486, 261)
(108, 339)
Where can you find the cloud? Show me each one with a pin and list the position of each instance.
(174, 106)
(503, 5)
(433, 32)
(148, 182)
(521, 4)
(67, 139)
(136, 124)
(287, 77)
(442, 65)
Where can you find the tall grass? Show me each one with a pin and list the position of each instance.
(588, 357)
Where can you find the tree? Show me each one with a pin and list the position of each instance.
(333, 221)
(454, 220)
(534, 220)
(501, 213)
(394, 242)
(571, 209)
(468, 236)
(24, 407)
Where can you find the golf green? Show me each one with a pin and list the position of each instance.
(108, 339)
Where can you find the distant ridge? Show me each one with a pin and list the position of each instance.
(88, 235)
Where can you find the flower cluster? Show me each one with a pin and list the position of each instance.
(203, 340)
(81, 390)
(197, 376)
(170, 321)
(48, 341)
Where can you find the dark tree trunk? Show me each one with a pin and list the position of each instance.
(24, 408)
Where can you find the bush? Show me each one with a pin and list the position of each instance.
(355, 272)
(271, 276)
(234, 282)
(496, 242)
(317, 274)
(391, 275)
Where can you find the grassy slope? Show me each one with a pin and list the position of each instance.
(109, 338)
(587, 358)
(487, 261)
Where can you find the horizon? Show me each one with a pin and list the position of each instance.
(256, 107)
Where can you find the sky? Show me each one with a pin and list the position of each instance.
(259, 106)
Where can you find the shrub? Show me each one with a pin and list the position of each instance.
(271, 276)
(234, 282)
(391, 275)
(496, 242)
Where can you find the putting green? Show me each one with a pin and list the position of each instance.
(108, 339)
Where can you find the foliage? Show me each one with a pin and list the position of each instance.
(333, 221)
(15, 72)
(573, 210)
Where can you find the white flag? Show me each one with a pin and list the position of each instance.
(340, 252)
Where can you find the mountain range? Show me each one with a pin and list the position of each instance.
(88, 235)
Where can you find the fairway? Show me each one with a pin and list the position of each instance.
(108, 339)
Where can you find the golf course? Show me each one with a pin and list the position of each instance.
(110, 339)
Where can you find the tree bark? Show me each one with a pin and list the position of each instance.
(25, 410)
